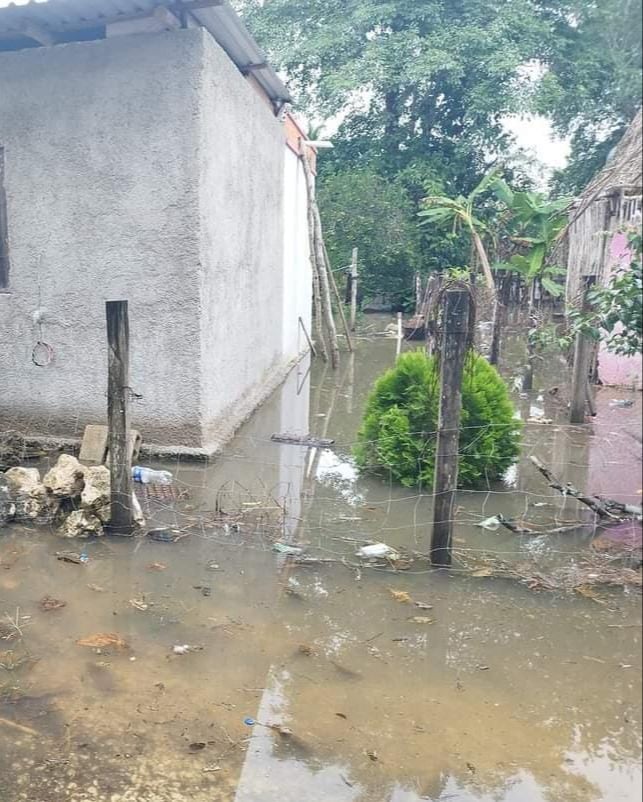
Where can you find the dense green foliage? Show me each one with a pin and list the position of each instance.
(617, 308)
(592, 87)
(388, 249)
(363, 209)
(421, 88)
(397, 437)
(529, 235)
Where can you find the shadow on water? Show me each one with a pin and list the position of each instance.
(496, 693)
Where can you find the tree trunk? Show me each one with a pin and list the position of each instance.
(320, 261)
(484, 260)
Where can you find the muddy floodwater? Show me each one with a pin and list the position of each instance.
(235, 674)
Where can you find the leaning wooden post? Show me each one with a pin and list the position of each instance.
(120, 466)
(582, 361)
(338, 298)
(354, 270)
(455, 343)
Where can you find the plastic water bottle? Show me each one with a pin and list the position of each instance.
(146, 476)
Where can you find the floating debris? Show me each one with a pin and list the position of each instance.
(139, 604)
(186, 649)
(103, 640)
(308, 441)
(166, 535)
(290, 551)
(378, 551)
(591, 571)
(47, 604)
(400, 596)
(74, 557)
(491, 524)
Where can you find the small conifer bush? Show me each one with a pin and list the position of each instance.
(398, 433)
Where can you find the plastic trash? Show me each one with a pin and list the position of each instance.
(284, 548)
(491, 524)
(378, 551)
(147, 476)
(285, 731)
(622, 403)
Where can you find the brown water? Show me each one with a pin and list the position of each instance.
(511, 695)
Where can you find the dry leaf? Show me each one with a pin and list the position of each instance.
(197, 746)
(589, 593)
(157, 567)
(482, 573)
(400, 596)
(139, 604)
(102, 640)
(96, 588)
(421, 619)
(47, 604)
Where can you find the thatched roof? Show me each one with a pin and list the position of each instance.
(624, 171)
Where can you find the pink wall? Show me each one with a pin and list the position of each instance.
(620, 371)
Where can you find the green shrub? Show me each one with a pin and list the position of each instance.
(398, 433)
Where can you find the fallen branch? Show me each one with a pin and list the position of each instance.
(521, 530)
(303, 440)
(5, 722)
(604, 508)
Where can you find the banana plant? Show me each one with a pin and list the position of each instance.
(537, 224)
(460, 213)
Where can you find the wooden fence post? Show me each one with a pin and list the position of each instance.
(582, 361)
(354, 270)
(452, 358)
(118, 438)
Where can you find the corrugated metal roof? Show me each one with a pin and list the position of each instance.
(216, 16)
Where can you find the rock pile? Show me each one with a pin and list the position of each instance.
(73, 497)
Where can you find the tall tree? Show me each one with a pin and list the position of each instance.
(427, 78)
(592, 86)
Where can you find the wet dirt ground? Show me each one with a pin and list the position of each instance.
(485, 691)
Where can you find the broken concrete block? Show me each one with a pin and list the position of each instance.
(81, 524)
(95, 494)
(66, 479)
(94, 445)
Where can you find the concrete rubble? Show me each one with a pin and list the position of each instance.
(66, 479)
(31, 499)
(71, 495)
(81, 524)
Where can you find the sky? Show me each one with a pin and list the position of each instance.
(533, 134)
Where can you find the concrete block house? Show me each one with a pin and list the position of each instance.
(145, 155)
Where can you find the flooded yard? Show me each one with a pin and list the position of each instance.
(240, 674)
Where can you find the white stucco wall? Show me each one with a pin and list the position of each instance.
(297, 268)
(241, 191)
(144, 168)
(102, 193)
